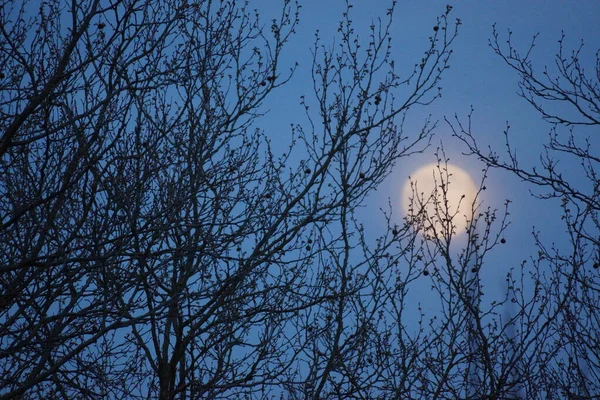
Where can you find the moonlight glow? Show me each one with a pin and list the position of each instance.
(429, 186)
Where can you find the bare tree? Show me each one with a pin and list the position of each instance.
(565, 277)
(153, 245)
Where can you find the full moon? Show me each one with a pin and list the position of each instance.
(439, 197)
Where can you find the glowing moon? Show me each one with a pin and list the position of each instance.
(438, 197)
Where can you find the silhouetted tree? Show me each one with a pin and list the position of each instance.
(153, 244)
(563, 345)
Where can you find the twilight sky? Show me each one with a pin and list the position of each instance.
(477, 78)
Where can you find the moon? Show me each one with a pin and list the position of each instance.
(439, 198)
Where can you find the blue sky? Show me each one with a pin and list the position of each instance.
(477, 78)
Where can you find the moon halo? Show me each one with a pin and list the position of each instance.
(438, 196)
